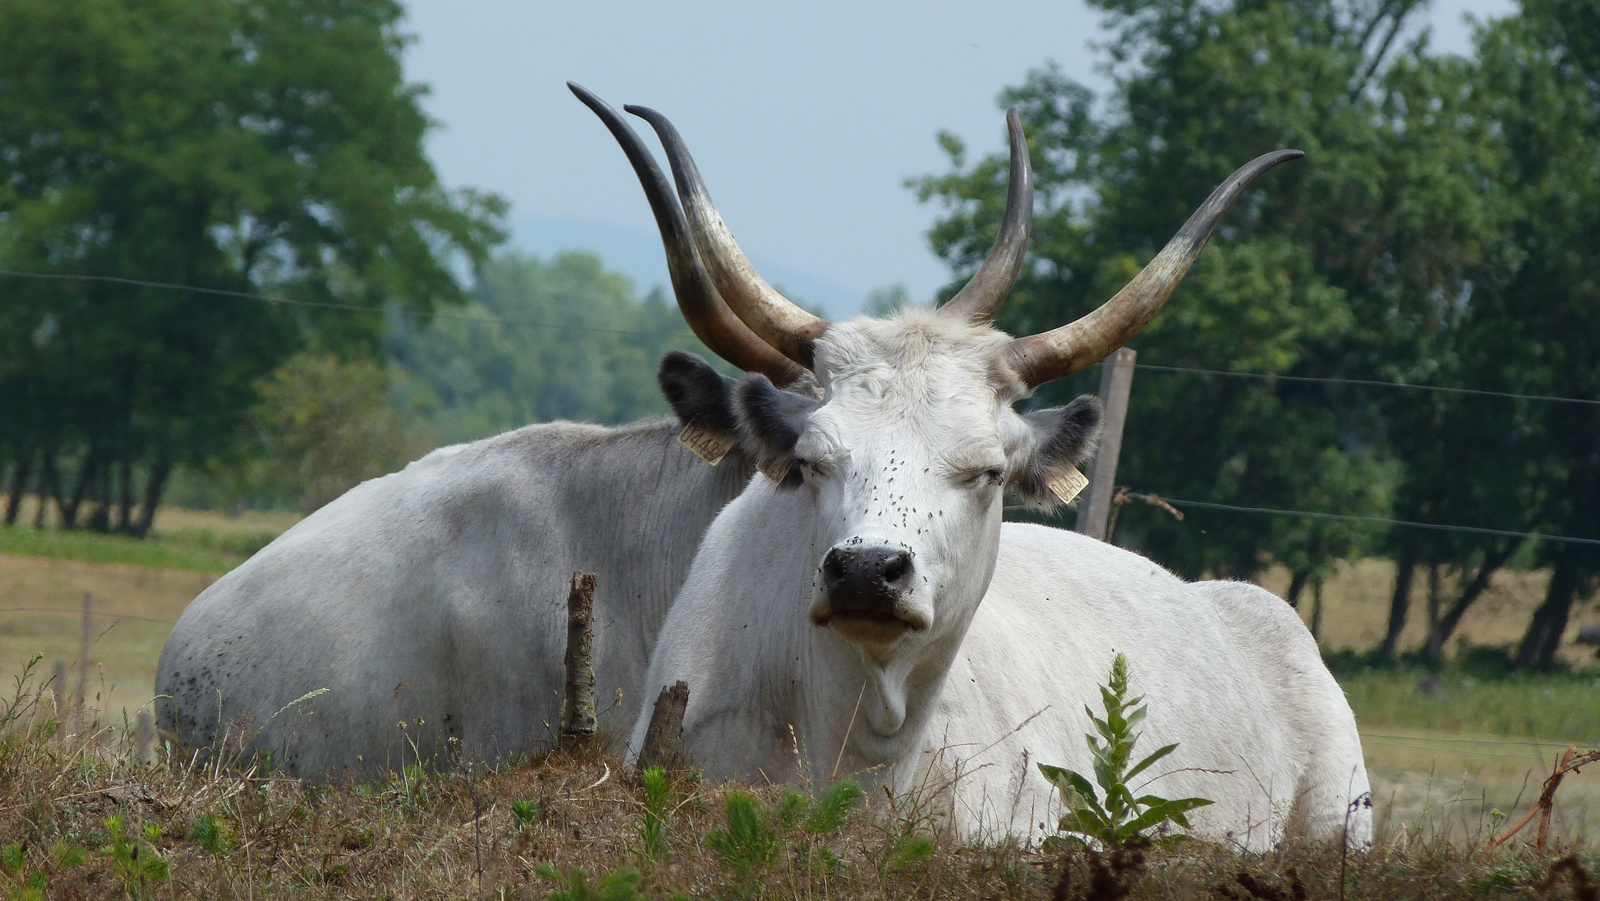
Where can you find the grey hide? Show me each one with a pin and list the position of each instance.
(436, 596)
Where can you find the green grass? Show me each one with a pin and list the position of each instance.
(1552, 706)
(193, 549)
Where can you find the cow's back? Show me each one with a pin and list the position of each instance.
(435, 597)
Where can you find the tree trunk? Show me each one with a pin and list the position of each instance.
(86, 478)
(1543, 637)
(1400, 601)
(1493, 559)
(124, 518)
(99, 518)
(49, 486)
(1316, 611)
(19, 484)
(1297, 584)
(153, 487)
(1435, 646)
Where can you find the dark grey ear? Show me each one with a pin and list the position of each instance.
(770, 421)
(1063, 437)
(696, 391)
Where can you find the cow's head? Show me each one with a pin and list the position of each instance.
(906, 454)
(907, 459)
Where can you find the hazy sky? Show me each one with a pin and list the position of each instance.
(805, 119)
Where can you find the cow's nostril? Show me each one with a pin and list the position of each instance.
(896, 566)
(833, 568)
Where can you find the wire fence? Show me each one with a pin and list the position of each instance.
(1207, 505)
(98, 614)
(520, 323)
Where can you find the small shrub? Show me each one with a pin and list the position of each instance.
(526, 813)
(830, 812)
(653, 825)
(138, 866)
(622, 885)
(750, 840)
(754, 836)
(214, 837)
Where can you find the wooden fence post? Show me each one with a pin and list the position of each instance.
(577, 711)
(84, 638)
(1116, 382)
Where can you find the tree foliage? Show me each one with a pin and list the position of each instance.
(325, 425)
(1438, 232)
(245, 146)
(563, 339)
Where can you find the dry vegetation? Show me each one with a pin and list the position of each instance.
(1448, 754)
(82, 818)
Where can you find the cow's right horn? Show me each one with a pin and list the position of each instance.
(703, 308)
(769, 314)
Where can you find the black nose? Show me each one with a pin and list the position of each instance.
(865, 580)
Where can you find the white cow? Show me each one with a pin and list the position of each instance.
(870, 614)
(435, 596)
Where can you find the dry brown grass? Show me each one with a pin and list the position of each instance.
(230, 833)
(1356, 609)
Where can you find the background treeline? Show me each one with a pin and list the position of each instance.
(1443, 230)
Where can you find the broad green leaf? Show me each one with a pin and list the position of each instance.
(1144, 764)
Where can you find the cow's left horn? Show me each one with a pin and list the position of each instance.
(982, 296)
(769, 314)
(1079, 344)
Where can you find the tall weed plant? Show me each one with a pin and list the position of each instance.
(1114, 816)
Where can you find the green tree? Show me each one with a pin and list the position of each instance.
(325, 425)
(563, 339)
(1353, 263)
(242, 145)
(1541, 77)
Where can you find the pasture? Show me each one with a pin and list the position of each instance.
(1449, 754)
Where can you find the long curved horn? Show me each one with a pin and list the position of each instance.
(703, 308)
(1077, 345)
(769, 314)
(982, 296)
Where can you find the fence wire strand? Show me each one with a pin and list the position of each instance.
(516, 323)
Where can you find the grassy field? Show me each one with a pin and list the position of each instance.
(1444, 750)
(138, 591)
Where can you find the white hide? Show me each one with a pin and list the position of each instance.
(438, 594)
(966, 707)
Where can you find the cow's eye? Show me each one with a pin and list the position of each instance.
(985, 478)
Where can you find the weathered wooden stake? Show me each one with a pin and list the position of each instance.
(1116, 382)
(86, 636)
(58, 682)
(144, 738)
(577, 712)
(663, 739)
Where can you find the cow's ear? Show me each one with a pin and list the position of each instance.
(770, 422)
(695, 391)
(1057, 440)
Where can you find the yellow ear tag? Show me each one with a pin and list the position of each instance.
(777, 470)
(710, 446)
(1067, 485)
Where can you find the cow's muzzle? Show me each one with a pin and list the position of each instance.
(864, 593)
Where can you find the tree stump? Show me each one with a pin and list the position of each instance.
(663, 739)
(577, 711)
